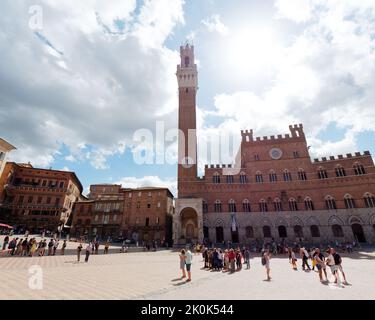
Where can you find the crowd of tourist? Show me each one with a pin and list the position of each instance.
(233, 259)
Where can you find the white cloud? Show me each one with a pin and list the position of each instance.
(214, 24)
(326, 75)
(296, 10)
(149, 181)
(93, 94)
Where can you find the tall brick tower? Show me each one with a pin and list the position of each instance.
(187, 76)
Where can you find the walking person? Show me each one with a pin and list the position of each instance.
(79, 249)
(293, 259)
(338, 263)
(266, 257)
(247, 258)
(305, 259)
(183, 263)
(188, 261)
(330, 261)
(88, 251)
(63, 248)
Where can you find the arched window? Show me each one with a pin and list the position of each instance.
(282, 232)
(216, 178)
(205, 206)
(243, 177)
(232, 206)
(349, 202)
(246, 206)
(315, 232)
(277, 204)
(330, 203)
(249, 232)
(273, 176)
(263, 206)
(293, 206)
(302, 175)
(309, 205)
(340, 171)
(337, 231)
(359, 169)
(206, 232)
(187, 61)
(267, 232)
(258, 177)
(322, 173)
(298, 231)
(217, 206)
(287, 175)
(230, 178)
(369, 200)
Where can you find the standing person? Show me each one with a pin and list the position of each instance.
(5, 244)
(97, 246)
(247, 258)
(19, 247)
(266, 257)
(183, 263)
(232, 260)
(106, 247)
(320, 264)
(293, 259)
(88, 251)
(50, 247)
(33, 248)
(188, 261)
(338, 263)
(43, 247)
(313, 260)
(226, 260)
(12, 246)
(24, 247)
(238, 260)
(330, 261)
(79, 249)
(305, 259)
(55, 246)
(63, 248)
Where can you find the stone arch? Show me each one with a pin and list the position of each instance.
(281, 222)
(219, 223)
(297, 221)
(265, 222)
(372, 220)
(310, 221)
(189, 224)
(335, 220)
(355, 219)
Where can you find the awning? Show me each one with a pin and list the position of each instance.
(2, 225)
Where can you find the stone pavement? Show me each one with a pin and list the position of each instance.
(153, 275)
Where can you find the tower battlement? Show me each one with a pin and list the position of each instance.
(341, 157)
(296, 132)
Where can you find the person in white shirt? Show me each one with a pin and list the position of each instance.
(188, 262)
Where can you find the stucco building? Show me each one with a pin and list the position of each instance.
(275, 189)
(141, 214)
(5, 148)
(37, 198)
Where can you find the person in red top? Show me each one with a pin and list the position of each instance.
(232, 260)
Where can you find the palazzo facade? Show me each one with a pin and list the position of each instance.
(275, 189)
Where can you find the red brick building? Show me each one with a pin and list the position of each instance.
(37, 198)
(142, 214)
(275, 190)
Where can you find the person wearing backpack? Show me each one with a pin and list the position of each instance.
(338, 263)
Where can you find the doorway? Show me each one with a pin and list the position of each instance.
(358, 233)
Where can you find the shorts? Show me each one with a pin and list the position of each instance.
(188, 267)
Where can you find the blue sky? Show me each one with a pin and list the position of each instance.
(73, 96)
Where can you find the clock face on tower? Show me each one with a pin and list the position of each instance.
(276, 153)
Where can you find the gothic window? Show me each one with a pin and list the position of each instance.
(359, 169)
(369, 200)
(267, 232)
(315, 232)
(298, 231)
(322, 173)
(232, 206)
(256, 157)
(246, 206)
(337, 231)
(216, 178)
(282, 232)
(258, 177)
(243, 178)
(349, 202)
(217, 206)
(230, 179)
(295, 154)
(293, 205)
(273, 176)
(309, 205)
(205, 207)
(187, 61)
(287, 175)
(340, 171)
(263, 206)
(330, 203)
(277, 204)
(302, 175)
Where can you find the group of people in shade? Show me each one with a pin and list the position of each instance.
(31, 247)
(232, 260)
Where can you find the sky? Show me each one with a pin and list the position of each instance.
(90, 86)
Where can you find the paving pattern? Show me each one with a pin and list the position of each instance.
(154, 275)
